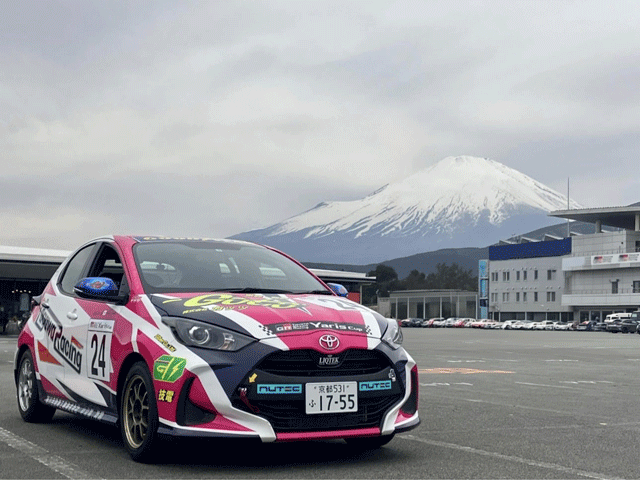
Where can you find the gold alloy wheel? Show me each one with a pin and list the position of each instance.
(136, 411)
(26, 384)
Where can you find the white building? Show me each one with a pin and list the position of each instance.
(583, 277)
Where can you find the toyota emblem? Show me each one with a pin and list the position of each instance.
(329, 342)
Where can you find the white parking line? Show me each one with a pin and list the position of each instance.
(54, 462)
(511, 458)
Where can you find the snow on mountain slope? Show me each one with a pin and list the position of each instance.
(458, 202)
(454, 188)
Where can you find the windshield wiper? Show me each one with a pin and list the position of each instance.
(251, 290)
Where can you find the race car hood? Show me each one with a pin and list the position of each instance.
(266, 316)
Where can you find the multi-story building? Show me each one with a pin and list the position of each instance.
(525, 281)
(582, 277)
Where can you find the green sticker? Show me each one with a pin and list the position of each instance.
(168, 368)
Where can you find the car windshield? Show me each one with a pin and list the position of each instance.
(208, 266)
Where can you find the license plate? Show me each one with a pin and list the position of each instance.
(331, 397)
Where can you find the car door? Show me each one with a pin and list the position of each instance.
(87, 329)
(52, 337)
(93, 323)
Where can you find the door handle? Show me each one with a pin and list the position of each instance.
(72, 316)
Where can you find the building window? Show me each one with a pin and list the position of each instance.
(535, 296)
(494, 276)
(614, 286)
(505, 297)
(505, 276)
(551, 274)
(518, 276)
(535, 274)
(524, 296)
(517, 296)
(636, 286)
(524, 275)
(551, 296)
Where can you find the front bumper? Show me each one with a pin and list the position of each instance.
(270, 399)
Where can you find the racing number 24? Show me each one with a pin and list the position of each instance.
(98, 355)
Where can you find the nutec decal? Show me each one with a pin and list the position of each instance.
(280, 389)
(376, 385)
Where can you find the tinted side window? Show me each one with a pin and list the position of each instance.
(74, 269)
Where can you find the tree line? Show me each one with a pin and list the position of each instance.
(446, 277)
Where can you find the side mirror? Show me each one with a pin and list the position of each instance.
(99, 288)
(338, 289)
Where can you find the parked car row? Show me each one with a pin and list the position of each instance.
(627, 325)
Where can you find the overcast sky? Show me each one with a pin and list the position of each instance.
(213, 118)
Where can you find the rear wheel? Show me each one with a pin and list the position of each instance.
(139, 414)
(31, 408)
(369, 443)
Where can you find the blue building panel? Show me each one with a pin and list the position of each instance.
(552, 248)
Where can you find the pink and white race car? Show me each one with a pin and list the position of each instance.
(221, 338)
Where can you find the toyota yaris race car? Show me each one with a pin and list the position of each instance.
(220, 338)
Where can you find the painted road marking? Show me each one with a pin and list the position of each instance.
(511, 458)
(464, 371)
(444, 384)
(54, 462)
(465, 361)
(541, 385)
(587, 382)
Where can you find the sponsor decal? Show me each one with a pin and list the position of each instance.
(253, 377)
(70, 349)
(328, 361)
(39, 321)
(304, 326)
(168, 369)
(101, 325)
(392, 375)
(279, 389)
(329, 342)
(224, 301)
(375, 385)
(164, 343)
(166, 395)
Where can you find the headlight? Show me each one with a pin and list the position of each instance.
(393, 334)
(204, 335)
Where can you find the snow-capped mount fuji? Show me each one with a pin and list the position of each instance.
(458, 202)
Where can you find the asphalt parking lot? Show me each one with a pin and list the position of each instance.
(494, 404)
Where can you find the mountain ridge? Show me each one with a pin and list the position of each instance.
(458, 202)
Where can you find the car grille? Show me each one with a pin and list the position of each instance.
(304, 363)
(288, 414)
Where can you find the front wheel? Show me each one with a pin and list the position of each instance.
(369, 443)
(139, 414)
(31, 409)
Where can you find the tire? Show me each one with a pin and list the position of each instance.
(31, 408)
(369, 443)
(139, 414)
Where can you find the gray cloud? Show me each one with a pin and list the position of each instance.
(212, 118)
